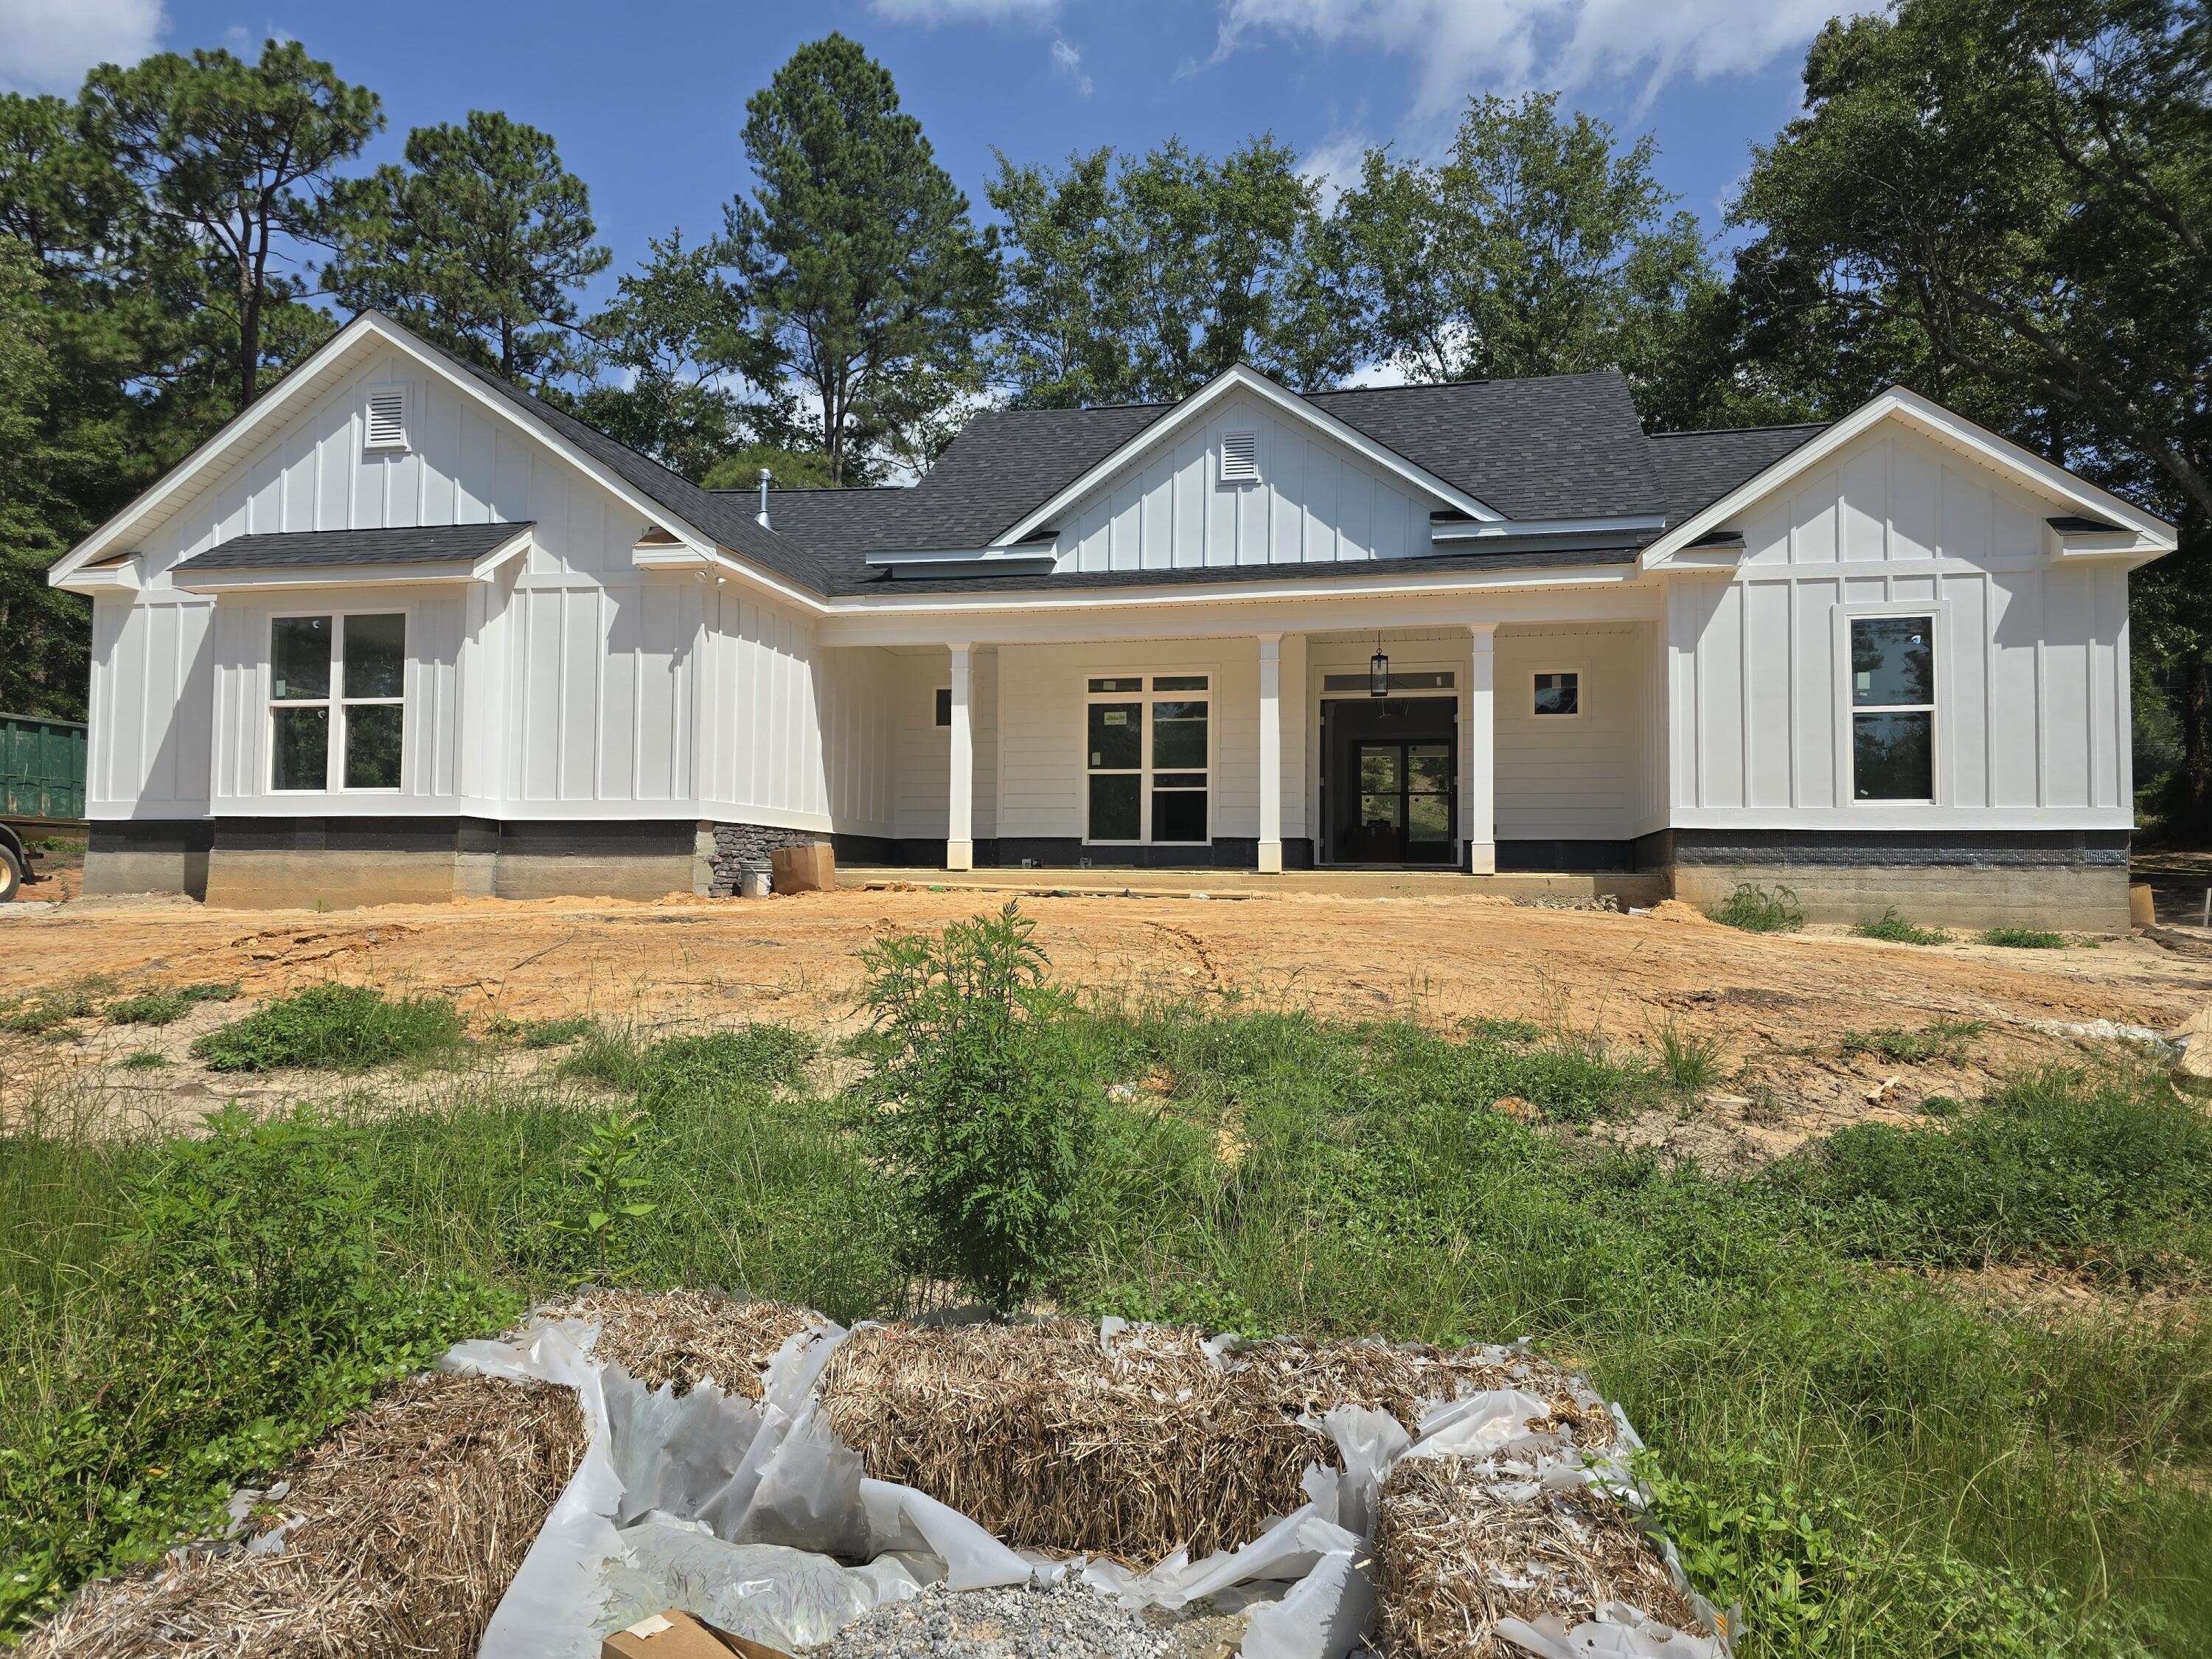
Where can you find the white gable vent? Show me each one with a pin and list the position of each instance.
(1240, 458)
(387, 417)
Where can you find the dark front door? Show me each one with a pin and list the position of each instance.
(1389, 782)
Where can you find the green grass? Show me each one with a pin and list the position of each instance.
(48, 1014)
(162, 1007)
(1897, 930)
(1691, 1063)
(536, 1034)
(1873, 1465)
(1755, 910)
(1942, 1039)
(144, 1059)
(2024, 938)
(339, 1028)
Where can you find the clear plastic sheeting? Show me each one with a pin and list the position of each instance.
(786, 1597)
(744, 1513)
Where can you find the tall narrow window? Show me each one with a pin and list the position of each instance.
(1148, 759)
(337, 702)
(299, 652)
(376, 682)
(1892, 708)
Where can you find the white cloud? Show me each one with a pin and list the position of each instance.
(1468, 46)
(1333, 164)
(46, 46)
(1069, 61)
(965, 11)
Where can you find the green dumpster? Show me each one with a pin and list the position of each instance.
(41, 769)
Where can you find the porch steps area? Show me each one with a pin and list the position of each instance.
(1640, 889)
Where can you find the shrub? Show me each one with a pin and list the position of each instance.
(339, 1028)
(978, 1106)
(162, 1008)
(2024, 938)
(1897, 930)
(610, 1183)
(1755, 910)
(1946, 1039)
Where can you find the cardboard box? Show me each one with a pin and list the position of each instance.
(676, 1634)
(804, 869)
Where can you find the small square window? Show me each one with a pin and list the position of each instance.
(1558, 694)
(945, 705)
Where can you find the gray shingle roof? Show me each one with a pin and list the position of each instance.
(729, 521)
(1694, 470)
(445, 543)
(1555, 447)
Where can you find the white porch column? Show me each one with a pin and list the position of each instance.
(1477, 754)
(1271, 754)
(960, 800)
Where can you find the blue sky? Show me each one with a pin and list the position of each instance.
(646, 101)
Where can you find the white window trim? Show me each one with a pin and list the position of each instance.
(334, 759)
(1938, 612)
(406, 418)
(1580, 671)
(1145, 771)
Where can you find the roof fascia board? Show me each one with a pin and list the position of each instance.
(1234, 379)
(266, 578)
(1932, 420)
(1310, 588)
(513, 547)
(1475, 532)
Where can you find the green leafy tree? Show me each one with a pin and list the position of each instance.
(41, 670)
(1540, 245)
(1136, 279)
(857, 251)
(236, 160)
(692, 365)
(480, 242)
(2008, 206)
(788, 469)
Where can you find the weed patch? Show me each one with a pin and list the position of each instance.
(48, 1014)
(337, 1028)
(536, 1034)
(2024, 938)
(163, 1007)
(1945, 1039)
(1897, 930)
(1691, 1063)
(1753, 910)
(144, 1059)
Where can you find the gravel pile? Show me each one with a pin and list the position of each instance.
(1066, 1621)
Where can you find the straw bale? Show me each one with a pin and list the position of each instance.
(1137, 1448)
(684, 1337)
(412, 1517)
(1454, 1555)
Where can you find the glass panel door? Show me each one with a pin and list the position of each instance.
(1428, 799)
(1115, 739)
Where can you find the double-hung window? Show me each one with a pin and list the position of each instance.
(1892, 707)
(337, 702)
(1148, 758)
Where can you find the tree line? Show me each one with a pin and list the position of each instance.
(2003, 203)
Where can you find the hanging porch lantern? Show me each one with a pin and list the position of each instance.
(1378, 672)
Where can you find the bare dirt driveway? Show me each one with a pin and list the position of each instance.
(1785, 1008)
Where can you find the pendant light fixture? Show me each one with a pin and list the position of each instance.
(1378, 670)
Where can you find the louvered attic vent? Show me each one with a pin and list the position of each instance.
(1240, 458)
(387, 417)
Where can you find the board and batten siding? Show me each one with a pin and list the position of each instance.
(2031, 656)
(149, 754)
(1317, 501)
(1042, 691)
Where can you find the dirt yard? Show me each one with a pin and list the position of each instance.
(1783, 1007)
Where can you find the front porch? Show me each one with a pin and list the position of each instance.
(1508, 747)
(1627, 890)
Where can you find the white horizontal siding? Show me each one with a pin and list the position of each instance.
(925, 748)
